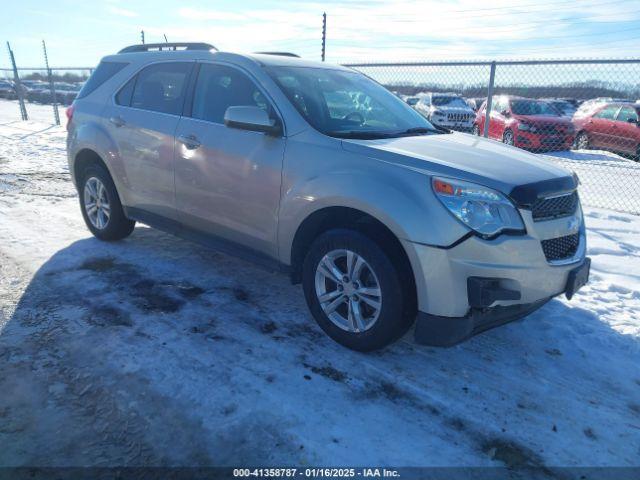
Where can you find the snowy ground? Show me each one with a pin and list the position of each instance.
(157, 351)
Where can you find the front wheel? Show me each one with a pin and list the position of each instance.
(354, 291)
(476, 130)
(101, 207)
(507, 137)
(582, 141)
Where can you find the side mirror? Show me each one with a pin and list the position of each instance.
(634, 121)
(250, 118)
(505, 112)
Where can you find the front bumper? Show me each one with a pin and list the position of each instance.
(543, 141)
(476, 284)
(440, 331)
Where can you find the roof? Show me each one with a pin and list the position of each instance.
(200, 53)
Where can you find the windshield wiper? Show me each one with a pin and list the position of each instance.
(419, 130)
(361, 134)
(373, 134)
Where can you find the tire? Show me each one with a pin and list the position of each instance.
(375, 331)
(582, 141)
(507, 137)
(117, 226)
(476, 130)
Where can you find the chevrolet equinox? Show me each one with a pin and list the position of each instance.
(318, 171)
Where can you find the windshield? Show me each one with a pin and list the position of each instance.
(449, 102)
(530, 107)
(348, 104)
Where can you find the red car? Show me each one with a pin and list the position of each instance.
(610, 126)
(526, 123)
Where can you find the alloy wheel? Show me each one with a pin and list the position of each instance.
(348, 290)
(96, 203)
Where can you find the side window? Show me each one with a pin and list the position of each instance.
(123, 97)
(101, 74)
(161, 87)
(219, 87)
(607, 113)
(628, 114)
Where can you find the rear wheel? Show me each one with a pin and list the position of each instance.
(354, 291)
(101, 207)
(582, 141)
(507, 137)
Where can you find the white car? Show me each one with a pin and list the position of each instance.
(447, 110)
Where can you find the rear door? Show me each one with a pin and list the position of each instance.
(143, 120)
(228, 180)
(627, 130)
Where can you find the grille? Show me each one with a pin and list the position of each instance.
(555, 207)
(458, 117)
(560, 248)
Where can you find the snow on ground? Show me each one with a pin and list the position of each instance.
(156, 351)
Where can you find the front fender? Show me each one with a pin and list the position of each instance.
(402, 200)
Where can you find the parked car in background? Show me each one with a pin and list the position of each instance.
(412, 100)
(448, 110)
(32, 86)
(526, 123)
(475, 103)
(565, 108)
(612, 126)
(65, 93)
(588, 107)
(6, 89)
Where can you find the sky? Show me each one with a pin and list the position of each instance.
(79, 32)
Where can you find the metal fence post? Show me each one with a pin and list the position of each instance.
(18, 85)
(56, 114)
(487, 115)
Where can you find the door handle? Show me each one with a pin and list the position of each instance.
(189, 141)
(117, 121)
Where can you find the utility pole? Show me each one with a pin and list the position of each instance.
(142, 36)
(18, 85)
(52, 87)
(324, 34)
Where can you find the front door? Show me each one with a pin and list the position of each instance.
(228, 180)
(627, 130)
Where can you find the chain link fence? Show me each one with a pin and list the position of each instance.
(38, 85)
(583, 114)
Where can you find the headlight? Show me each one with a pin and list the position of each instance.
(437, 113)
(482, 209)
(527, 127)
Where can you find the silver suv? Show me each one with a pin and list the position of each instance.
(318, 171)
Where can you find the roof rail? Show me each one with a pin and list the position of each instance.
(148, 47)
(281, 54)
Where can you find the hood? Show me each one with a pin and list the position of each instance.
(476, 159)
(448, 109)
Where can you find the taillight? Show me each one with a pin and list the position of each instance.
(69, 112)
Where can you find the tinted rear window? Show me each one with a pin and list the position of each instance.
(101, 74)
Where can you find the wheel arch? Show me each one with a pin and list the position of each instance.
(329, 218)
(85, 158)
